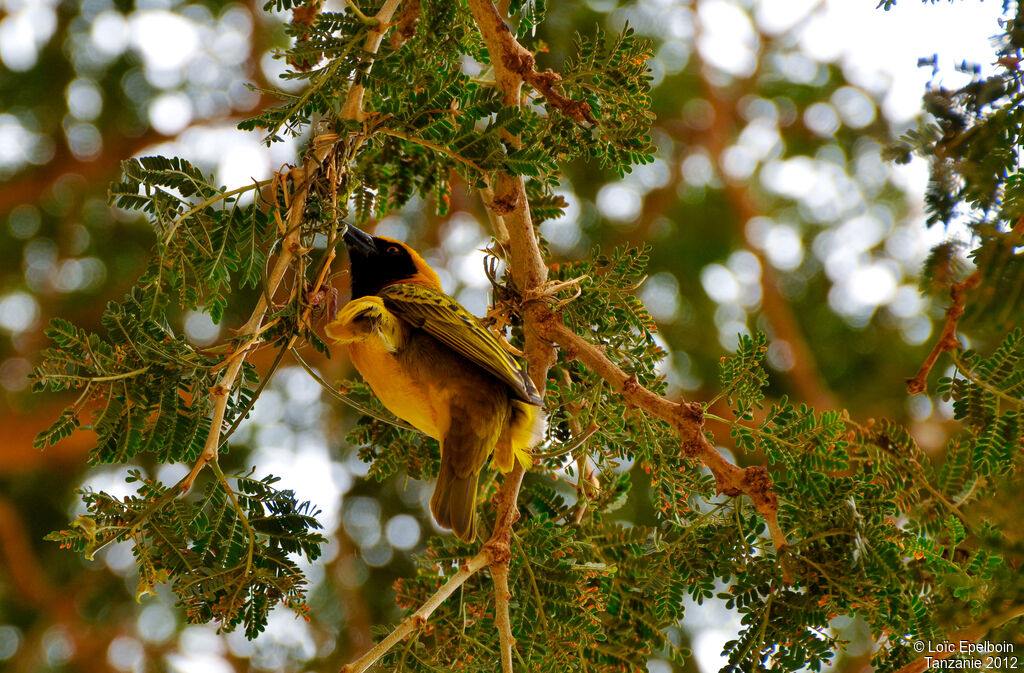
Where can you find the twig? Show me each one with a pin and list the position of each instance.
(355, 404)
(290, 246)
(529, 273)
(544, 328)
(495, 553)
(433, 146)
(501, 614)
(216, 198)
(248, 343)
(353, 108)
(362, 17)
(966, 371)
(498, 547)
(578, 441)
(587, 483)
(947, 340)
(497, 223)
(533, 583)
(99, 379)
(419, 618)
(222, 389)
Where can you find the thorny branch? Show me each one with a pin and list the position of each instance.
(353, 108)
(222, 390)
(529, 273)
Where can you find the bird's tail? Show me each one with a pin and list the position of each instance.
(524, 431)
(454, 502)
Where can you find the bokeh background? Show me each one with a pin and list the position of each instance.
(768, 207)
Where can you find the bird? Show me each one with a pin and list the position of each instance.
(433, 364)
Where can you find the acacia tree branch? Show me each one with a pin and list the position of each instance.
(502, 595)
(514, 64)
(587, 483)
(433, 146)
(544, 328)
(290, 247)
(528, 272)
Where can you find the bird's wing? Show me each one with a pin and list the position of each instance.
(447, 321)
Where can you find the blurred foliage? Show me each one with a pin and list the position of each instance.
(708, 186)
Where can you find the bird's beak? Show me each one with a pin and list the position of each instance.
(357, 240)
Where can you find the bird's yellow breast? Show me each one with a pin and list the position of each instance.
(405, 394)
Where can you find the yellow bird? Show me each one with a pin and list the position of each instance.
(433, 364)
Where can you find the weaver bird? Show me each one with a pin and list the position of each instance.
(432, 363)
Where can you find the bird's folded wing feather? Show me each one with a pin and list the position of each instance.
(447, 321)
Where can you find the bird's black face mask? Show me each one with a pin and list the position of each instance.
(375, 262)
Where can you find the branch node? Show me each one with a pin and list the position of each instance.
(407, 20)
(572, 352)
(729, 490)
(503, 204)
(498, 552)
(692, 449)
(758, 485)
(519, 61)
(691, 412)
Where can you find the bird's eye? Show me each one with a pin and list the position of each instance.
(393, 250)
